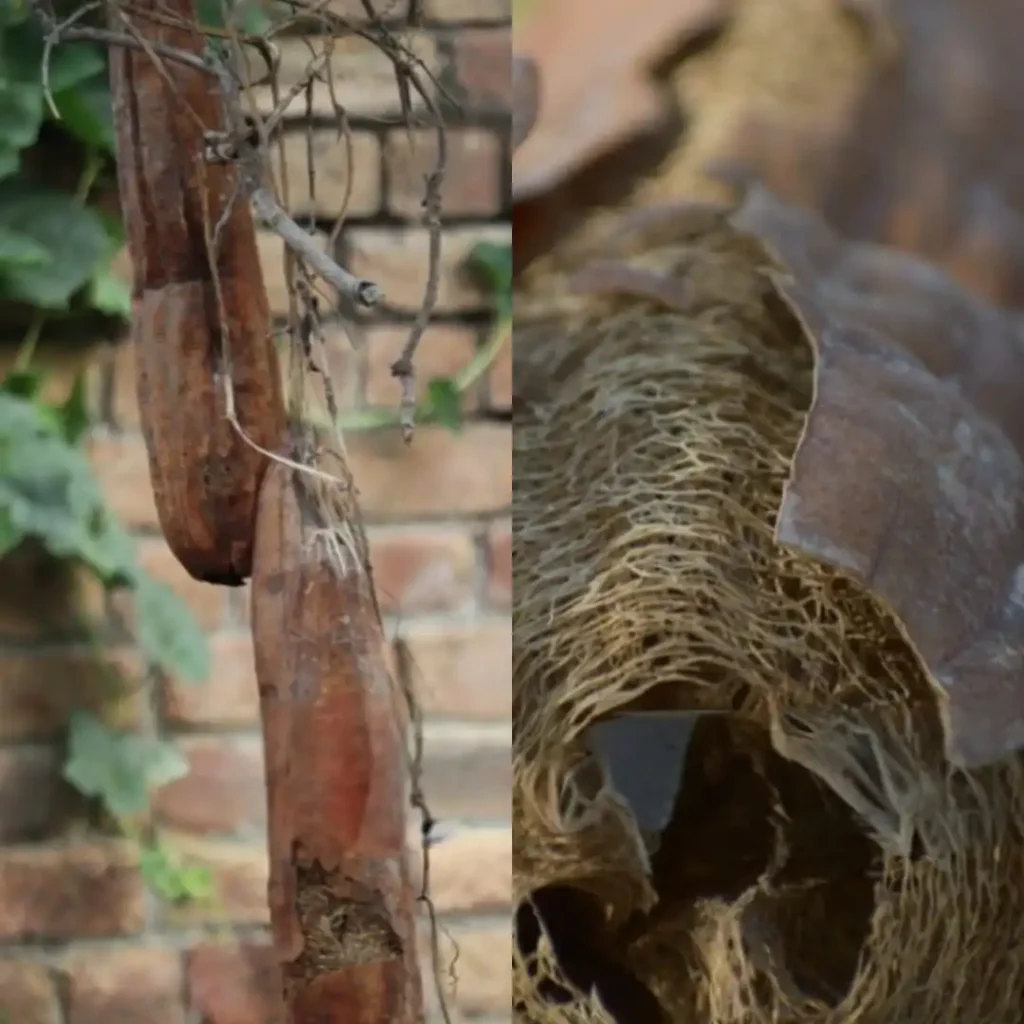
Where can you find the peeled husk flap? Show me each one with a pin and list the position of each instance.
(766, 472)
(893, 118)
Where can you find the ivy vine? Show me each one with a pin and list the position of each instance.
(56, 250)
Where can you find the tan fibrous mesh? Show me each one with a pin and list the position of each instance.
(823, 865)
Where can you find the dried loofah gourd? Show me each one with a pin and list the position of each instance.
(764, 472)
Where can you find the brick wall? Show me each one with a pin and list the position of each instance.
(81, 940)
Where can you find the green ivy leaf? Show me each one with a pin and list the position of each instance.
(73, 236)
(72, 64)
(21, 115)
(49, 491)
(10, 159)
(22, 383)
(18, 250)
(493, 264)
(73, 412)
(168, 633)
(21, 85)
(86, 112)
(445, 403)
(120, 769)
(247, 17)
(109, 294)
(170, 880)
(10, 535)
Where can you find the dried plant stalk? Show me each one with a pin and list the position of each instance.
(340, 892)
(201, 314)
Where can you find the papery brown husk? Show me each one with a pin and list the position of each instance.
(893, 118)
(777, 475)
(201, 321)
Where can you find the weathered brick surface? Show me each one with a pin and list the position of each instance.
(35, 770)
(27, 993)
(364, 78)
(39, 690)
(123, 470)
(88, 889)
(469, 473)
(422, 568)
(499, 565)
(46, 602)
(468, 10)
(443, 351)
(481, 988)
(272, 253)
(228, 697)
(456, 754)
(473, 179)
(208, 604)
(229, 984)
(223, 791)
(471, 871)
(124, 986)
(482, 67)
(346, 173)
(398, 259)
(463, 670)
(500, 379)
(439, 537)
(238, 871)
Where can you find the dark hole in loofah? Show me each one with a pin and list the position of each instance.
(740, 800)
(573, 922)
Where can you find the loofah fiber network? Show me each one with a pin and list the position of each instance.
(823, 865)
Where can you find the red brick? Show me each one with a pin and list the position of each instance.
(123, 470)
(467, 772)
(499, 384)
(332, 158)
(239, 875)
(440, 473)
(398, 260)
(235, 984)
(482, 62)
(422, 569)
(228, 697)
(27, 993)
(123, 407)
(272, 262)
(124, 986)
(45, 599)
(480, 955)
(363, 77)
(38, 691)
(468, 10)
(86, 890)
(61, 362)
(499, 565)
(473, 183)
(207, 602)
(470, 872)
(444, 351)
(35, 801)
(463, 670)
(223, 792)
